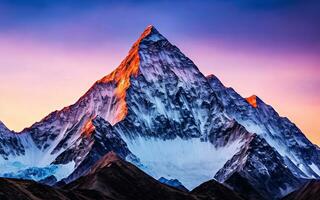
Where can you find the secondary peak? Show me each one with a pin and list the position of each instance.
(252, 100)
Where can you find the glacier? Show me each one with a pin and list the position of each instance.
(191, 161)
(21, 171)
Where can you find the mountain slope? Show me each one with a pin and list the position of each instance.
(121, 180)
(170, 104)
(10, 143)
(301, 156)
(173, 183)
(14, 189)
(98, 139)
(309, 191)
(215, 190)
(262, 169)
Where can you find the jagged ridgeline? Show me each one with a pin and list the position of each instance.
(159, 112)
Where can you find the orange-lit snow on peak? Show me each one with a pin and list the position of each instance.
(121, 76)
(88, 128)
(252, 100)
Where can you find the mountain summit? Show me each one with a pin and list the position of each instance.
(129, 67)
(159, 112)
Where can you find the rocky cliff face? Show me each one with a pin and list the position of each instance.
(10, 143)
(262, 168)
(299, 154)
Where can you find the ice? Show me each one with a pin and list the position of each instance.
(21, 171)
(33, 165)
(315, 168)
(190, 161)
(64, 170)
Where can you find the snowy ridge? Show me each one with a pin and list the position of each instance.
(298, 152)
(10, 144)
(262, 167)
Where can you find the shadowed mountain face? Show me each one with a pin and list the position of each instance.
(98, 139)
(173, 183)
(299, 154)
(215, 190)
(160, 113)
(258, 171)
(14, 189)
(111, 178)
(242, 186)
(10, 143)
(309, 191)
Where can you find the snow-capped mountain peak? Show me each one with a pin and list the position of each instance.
(129, 67)
(158, 111)
(3, 128)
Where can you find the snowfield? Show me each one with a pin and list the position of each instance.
(191, 161)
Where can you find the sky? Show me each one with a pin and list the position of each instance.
(52, 51)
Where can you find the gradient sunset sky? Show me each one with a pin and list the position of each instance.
(51, 52)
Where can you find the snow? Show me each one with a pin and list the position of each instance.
(154, 37)
(283, 150)
(33, 157)
(7, 166)
(190, 161)
(172, 182)
(35, 165)
(315, 168)
(64, 170)
(285, 191)
(32, 173)
(19, 170)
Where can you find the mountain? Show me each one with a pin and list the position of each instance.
(309, 191)
(111, 178)
(98, 138)
(300, 155)
(156, 98)
(174, 122)
(159, 112)
(49, 180)
(14, 189)
(215, 190)
(173, 183)
(10, 143)
(258, 169)
(118, 179)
